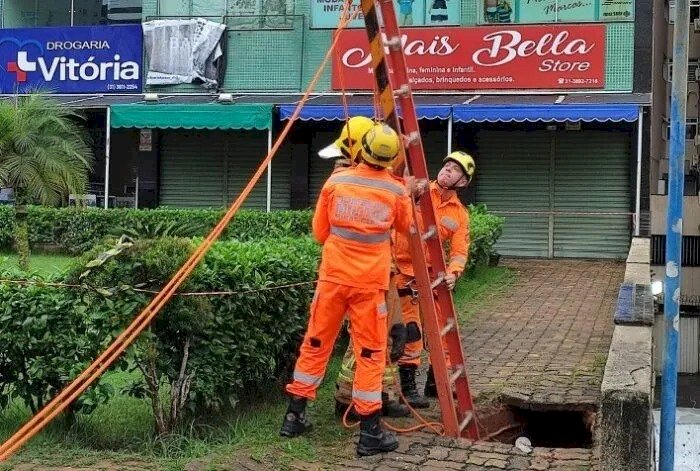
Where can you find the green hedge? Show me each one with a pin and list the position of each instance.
(75, 231)
(237, 342)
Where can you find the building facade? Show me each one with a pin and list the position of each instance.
(660, 132)
(552, 97)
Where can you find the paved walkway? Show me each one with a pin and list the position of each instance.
(543, 344)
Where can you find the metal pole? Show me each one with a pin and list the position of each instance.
(108, 137)
(72, 11)
(638, 197)
(674, 233)
(269, 170)
(449, 134)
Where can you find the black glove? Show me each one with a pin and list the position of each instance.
(398, 341)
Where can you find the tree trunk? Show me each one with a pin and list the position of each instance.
(22, 236)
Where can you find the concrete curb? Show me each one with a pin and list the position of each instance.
(627, 387)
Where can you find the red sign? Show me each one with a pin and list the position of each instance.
(483, 58)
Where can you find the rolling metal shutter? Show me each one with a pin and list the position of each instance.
(246, 150)
(513, 179)
(592, 195)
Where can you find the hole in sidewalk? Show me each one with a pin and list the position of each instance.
(548, 428)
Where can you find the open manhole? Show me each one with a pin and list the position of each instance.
(544, 428)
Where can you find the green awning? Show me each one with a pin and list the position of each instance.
(194, 116)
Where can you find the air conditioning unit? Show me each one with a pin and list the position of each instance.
(696, 25)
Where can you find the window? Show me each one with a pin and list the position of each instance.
(671, 10)
(693, 70)
(691, 128)
(241, 14)
(554, 11)
(32, 13)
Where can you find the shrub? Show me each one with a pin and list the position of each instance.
(75, 230)
(48, 337)
(485, 230)
(209, 349)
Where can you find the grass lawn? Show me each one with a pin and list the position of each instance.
(44, 264)
(118, 435)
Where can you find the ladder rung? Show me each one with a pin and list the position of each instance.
(448, 327)
(455, 376)
(467, 418)
(393, 42)
(437, 281)
(402, 90)
(429, 233)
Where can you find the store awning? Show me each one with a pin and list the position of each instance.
(549, 112)
(192, 116)
(337, 112)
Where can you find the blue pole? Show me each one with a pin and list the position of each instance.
(674, 234)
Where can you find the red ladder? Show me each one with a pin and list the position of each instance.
(439, 316)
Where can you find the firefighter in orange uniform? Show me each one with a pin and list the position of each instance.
(346, 150)
(353, 220)
(453, 222)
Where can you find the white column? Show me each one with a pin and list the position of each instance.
(108, 137)
(638, 196)
(449, 134)
(269, 169)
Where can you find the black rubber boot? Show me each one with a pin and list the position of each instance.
(430, 386)
(409, 389)
(374, 439)
(393, 408)
(294, 421)
(341, 407)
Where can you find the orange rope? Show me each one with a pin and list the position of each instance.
(423, 422)
(61, 401)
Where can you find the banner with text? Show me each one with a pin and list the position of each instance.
(326, 13)
(84, 59)
(554, 11)
(545, 57)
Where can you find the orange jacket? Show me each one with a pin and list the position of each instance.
(354, 216)
(453, 223)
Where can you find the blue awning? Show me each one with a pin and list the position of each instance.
(553, 112)
(337, 112)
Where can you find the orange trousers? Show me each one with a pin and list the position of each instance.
(367, 311)
(410, 311)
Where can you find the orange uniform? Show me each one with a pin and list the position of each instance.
(354, 216)
(453, 226)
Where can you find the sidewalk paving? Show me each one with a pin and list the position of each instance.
(541, 345)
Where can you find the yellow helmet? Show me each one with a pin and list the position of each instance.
(380, 145)
(464, 160)
(348, 143)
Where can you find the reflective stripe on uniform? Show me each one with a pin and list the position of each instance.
(458, 259)
(450, 223)
(359, 236)
(381, 309)
(370, 182)
(309, 380)
(369, 396)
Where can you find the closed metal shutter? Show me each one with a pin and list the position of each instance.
(192, 168)
(200, 169)
(592, 196)
(246, 150)
(513, 180)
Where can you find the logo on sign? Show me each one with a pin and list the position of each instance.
(81, 59)
(507, 46)
(67, 68)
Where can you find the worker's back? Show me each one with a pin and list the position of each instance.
(354, 216)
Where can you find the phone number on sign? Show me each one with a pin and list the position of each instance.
(578, 81)
(121, 86)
